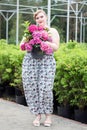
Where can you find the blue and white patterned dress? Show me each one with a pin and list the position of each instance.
(38, 78)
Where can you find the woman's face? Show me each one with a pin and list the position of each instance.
(41, 19)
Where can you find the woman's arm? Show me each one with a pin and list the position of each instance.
(23, 40)
(55, 39)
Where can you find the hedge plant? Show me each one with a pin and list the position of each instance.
(10, 64)
(70, 83)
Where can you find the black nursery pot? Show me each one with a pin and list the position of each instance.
(80, 115)
(2, 90)
(65, 111)
(21, 100)
(10, 90)
(18, 92)
(37, 53)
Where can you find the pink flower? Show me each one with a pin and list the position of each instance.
(46, 48)
(32, 28)
(49, 39)
(36, 37)
(37, 34)
(22, 46)
(37, 40)
(31, 42)
(49, 51)
(28, 47)
(40, 28)
(45, 35)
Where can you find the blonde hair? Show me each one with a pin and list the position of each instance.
(37, 12)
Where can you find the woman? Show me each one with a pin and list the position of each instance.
(38, 76)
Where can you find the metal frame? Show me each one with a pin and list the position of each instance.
(68, 3)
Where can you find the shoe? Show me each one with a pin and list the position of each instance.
(48, 121)
(36, 122)
(47, 124)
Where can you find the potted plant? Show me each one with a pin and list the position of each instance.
(62, 86)
(70, 83)
(62, 90)
(16, 63)
(79, 93)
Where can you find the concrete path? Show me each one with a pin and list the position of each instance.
(17, 117)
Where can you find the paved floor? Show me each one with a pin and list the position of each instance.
(17, 117)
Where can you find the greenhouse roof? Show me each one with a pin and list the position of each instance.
(54, 8)
(27, 6)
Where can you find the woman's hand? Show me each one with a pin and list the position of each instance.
(55, 39)
(52, 45)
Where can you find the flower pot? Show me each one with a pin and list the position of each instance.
(55, 103)
(65, 111)
(10, 90)
(18, 92)
(81, 115)
(20, 100)
(37, 53)
(1, 91)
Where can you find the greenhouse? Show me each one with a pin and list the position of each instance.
(71, 13)
(69, 18)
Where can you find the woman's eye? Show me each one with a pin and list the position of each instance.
(41, 16)
(37, 18)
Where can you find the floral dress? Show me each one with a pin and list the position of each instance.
(38, 78)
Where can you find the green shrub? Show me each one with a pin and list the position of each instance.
(10, 64)
(70, 83)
